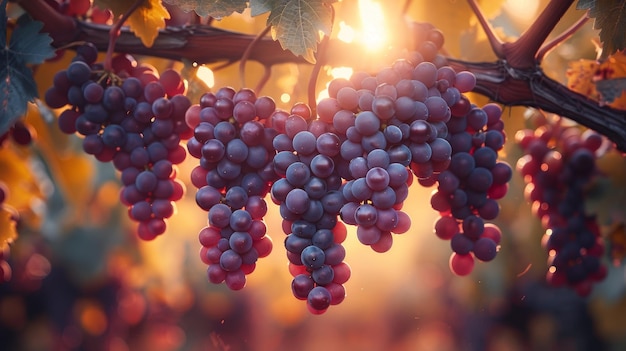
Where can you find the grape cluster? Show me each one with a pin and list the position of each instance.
(557, 166)
(467, 192)
(391, 126)
(235, 172)
(309, 196)
(133, 117)
(351, 161)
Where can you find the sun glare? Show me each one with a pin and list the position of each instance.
(372, 24)
(346, 32)
(206, 75)
(335, 72)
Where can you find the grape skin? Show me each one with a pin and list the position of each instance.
(357, 160)
(98, 111)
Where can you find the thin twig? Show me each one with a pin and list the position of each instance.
(223, 65)
(267, 73)
(494, 41)
(115, 32)
(320, 57)
(321, 52)
(546, 48)
(406, 6)
(246, 55)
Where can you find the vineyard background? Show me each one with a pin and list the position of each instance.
(82, 279)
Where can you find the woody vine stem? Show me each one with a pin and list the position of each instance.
(514, 79)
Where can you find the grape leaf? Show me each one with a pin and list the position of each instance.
(213, 8)
(17, 86)
(610, 19)
(296, 25)
(259, 7)
(580, 75)
(603, 81)
(145, 21)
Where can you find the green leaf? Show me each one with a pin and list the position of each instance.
(17, 86)
(3, 24)
(213, 8)
(296, 25)
(610, 19)
(30, 46)
(585, 4)
(259, 7)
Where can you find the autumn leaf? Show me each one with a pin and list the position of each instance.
(18, 176)
(145, 21)
(604, 81)
(296, 25)
(580, 77)
(7, 228)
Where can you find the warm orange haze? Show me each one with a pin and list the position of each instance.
(287, 175)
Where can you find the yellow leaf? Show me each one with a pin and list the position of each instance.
(613, 67)
(580, 78)
(7, 228)
(23, 187)
(145, 21)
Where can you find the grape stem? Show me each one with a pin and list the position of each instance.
(545, 49)
(494, 41)
(515, 79)
(114, 33)
(246, 55)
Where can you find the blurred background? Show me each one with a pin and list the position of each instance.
(82, 280)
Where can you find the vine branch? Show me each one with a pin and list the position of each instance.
(114, 33)
(522, 52)
(514, 80)
(531, 87)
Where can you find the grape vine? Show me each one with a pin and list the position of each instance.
(348, 159)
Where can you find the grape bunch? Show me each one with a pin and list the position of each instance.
(558, 165)
(467, 192)
(134, 118)
(234, 175)
(350, 161)
(391, 126)
(309, 198)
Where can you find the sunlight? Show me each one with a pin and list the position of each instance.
(341, 72)
(205, 74)
(335, 72)
(523, 10)
(346, 32)
(285, 98)
(373, 33)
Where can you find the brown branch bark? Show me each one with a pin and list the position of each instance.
(531, 87)
(507, 81)
(521, 53)
(195, 43)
